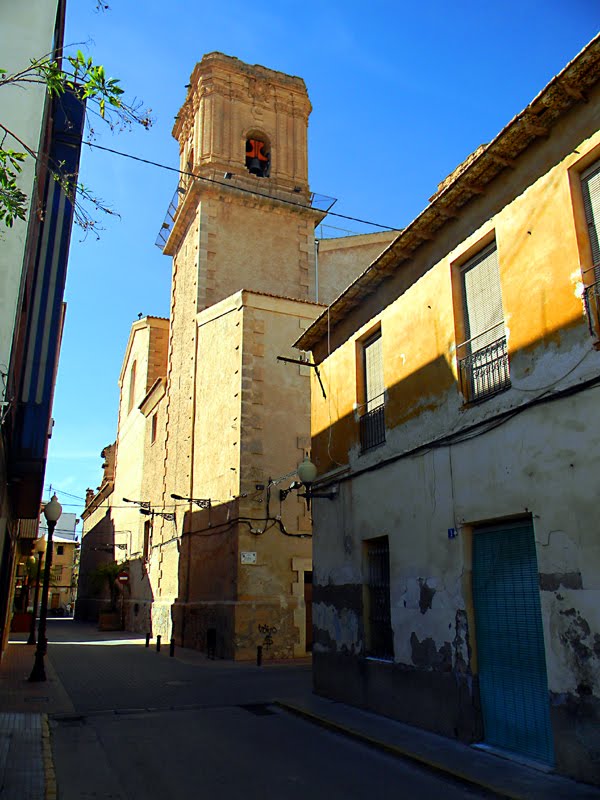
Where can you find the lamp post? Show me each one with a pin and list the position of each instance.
(36, 595)
(52, 512)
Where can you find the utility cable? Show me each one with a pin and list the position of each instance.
(230, 186)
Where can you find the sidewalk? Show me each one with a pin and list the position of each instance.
(469, 764)
(26, 767)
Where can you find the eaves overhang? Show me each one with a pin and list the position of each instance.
(566, 89)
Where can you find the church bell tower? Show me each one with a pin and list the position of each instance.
(244, 218)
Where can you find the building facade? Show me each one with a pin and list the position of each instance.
(32, 275)
(457, 573)
(210, 422)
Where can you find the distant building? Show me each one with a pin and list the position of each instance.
(457, 573)
(32, 277)
(211, 424)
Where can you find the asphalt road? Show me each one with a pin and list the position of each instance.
(149, 726)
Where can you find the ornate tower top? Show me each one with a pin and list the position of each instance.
(247, 123)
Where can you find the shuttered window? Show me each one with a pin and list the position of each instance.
(590, 184)
(483, 356)
(372, 421)
(373, 366)
(482, 298)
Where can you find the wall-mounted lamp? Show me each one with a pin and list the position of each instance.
(141, 503)
(168, 515)
(307, 472)
(201, 503)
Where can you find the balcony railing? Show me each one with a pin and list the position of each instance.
(372, 428)
(321, 202)
(485, 371)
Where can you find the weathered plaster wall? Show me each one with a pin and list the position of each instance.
(538, 458)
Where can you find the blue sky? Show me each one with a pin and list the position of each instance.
(418, 85)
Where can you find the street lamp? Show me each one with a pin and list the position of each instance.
(307, 472)
(52, 512)
(38, 549)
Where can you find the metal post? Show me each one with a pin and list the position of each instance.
(172, 648)
(259, 655)
(38, 673)
(147, 640)
(158, 643)
(36, 597)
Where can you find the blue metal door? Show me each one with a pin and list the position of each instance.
(510, 641)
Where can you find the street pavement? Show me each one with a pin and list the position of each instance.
(121, 721)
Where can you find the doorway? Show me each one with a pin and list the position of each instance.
(510, 641)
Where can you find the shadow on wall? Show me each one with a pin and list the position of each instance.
(138, 597)
(97, 548)
(434, 388)
(203, 616)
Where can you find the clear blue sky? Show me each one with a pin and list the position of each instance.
(420, 85)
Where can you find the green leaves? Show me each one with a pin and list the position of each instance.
(104, 97)
(13, 202)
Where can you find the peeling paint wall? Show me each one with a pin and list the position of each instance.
(447, 466)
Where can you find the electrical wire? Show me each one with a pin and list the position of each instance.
(472, 432)
(229, 186)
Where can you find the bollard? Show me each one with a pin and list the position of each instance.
(158, 643)
(147, 640)
(172, 648)
(259, 655)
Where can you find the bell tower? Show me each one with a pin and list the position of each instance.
(242, 134)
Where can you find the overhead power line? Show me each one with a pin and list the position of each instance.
(228, 185)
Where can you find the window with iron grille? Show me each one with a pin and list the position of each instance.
(378, 623)
(372, 420)
(590, 185)
(483, 356)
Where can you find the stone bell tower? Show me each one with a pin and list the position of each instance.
(245, 219)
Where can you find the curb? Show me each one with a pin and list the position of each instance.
(395, 750)
(51, 789)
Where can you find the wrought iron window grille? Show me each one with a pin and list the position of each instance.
(484, 372)
(372, 428)
(380, 636)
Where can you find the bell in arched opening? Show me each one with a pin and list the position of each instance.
(258, 157)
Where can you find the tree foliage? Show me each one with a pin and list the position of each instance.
(104, 102)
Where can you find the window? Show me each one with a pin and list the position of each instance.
(258, 156)
(483, 356)
(590, 185)
(131, 387)
(60, 549)
(153, 427)
(378, 623)
(372, 421)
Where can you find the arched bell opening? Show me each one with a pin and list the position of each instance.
(258, 154)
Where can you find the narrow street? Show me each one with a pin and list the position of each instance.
(143, 725)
